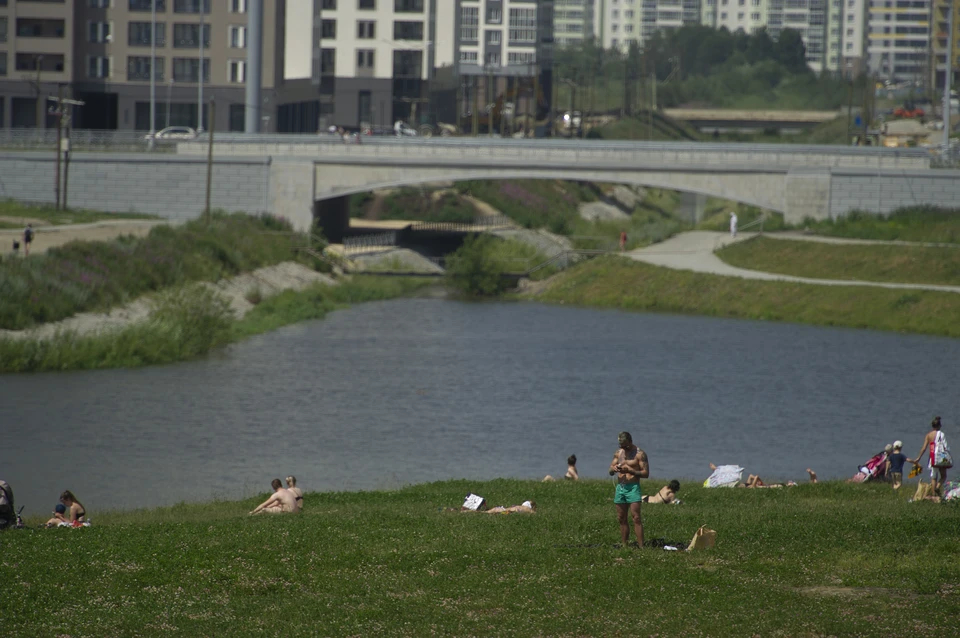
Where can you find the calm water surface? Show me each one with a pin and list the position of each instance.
(388, 394)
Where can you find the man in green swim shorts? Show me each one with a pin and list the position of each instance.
(630, 465)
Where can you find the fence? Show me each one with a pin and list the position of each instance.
(81, 140)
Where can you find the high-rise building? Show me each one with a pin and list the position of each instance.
(898, 40)
(572, 21)
(618, 23)
(377, 61)
(104, 52)
(946, 16)
(853, 39)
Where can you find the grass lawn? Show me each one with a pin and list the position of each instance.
(901, 264)
(917, 223)
(826, 559)
(616, 282)
(17, 214)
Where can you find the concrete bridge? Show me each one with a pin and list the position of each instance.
(302, 177)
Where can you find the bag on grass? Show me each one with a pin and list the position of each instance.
(923, 491)
(941, 452)
(703, 539)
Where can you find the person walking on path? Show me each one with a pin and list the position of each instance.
(630, 465)
(938, 475)
(623, 240)
(733, 224)
(27, 239)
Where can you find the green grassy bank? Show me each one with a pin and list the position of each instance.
(916, 223)
(829, 559)
(615, 282)
(14, 214)
(903, 264)
(190, 322)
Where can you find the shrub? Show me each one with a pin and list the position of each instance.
(473, 271)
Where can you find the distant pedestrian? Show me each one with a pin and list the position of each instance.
(27, 239)
(938, 467)
(733, 224)
(623, 240)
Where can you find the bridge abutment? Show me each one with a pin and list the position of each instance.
(291, 192)
(806, 194)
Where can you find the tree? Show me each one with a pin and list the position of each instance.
(473, 268)
(761, 47)
(791, 52)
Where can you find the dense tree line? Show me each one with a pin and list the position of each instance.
(701, 66)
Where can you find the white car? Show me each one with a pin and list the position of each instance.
(173, 133)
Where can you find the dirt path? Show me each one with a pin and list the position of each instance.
(47, 237)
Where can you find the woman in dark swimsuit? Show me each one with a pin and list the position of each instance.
(76, 512)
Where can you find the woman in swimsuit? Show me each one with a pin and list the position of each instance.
(292, 486)
(76, 513)
(667, 493)
(938, 475)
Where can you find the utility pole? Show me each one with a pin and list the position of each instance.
(153, 74)
(200, 73)
(947, 82)
(62, 145)
(213, 118)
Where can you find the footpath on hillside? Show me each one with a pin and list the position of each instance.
(696, 250)
(47, 237)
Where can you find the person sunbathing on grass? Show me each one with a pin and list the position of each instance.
(527, 507)
(282, 501)
(667, 494)
(755, 481)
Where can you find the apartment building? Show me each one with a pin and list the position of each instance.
(898, 40)
(506, 49)
(853, 60)
(572, 21)
(104, 51)
(946, 17)
(377, 61)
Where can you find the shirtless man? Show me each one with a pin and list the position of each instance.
(282, 500)
(630, 465)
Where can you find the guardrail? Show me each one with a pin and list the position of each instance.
(81, 139)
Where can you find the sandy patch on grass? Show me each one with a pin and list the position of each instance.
(265, 282)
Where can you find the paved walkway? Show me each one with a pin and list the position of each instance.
(695, 251)
(47, 237)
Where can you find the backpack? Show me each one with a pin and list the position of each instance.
(941, 452)
(28, 235)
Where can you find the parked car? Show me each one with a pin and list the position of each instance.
(173, 133)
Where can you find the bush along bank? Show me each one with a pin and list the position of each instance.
(83, 276)
(189, 322)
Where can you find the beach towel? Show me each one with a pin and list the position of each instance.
(474, 502)
(724, 476)
(951, 490)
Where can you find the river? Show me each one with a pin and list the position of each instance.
(393, 393)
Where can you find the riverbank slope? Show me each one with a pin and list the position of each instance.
(823, 559)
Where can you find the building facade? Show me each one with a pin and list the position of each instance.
(104, 51)
(572, 21)
(946, 16)
(898, 36)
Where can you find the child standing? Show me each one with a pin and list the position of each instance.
(895, 463)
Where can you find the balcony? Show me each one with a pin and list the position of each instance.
(40, 28)
(48, 63)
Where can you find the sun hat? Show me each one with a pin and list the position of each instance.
(897, 445)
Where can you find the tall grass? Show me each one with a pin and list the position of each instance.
(83, 276)
(915, 223)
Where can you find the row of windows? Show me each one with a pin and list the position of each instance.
(399, 6)
(184, 69)
(406, 64)
(185, 36)
(367, 30)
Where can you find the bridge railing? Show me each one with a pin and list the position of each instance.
(362, 243)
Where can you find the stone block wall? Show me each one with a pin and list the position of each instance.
(888, 191)
(170, 186)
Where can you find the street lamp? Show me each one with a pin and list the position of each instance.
(153, 73)
(169, 89)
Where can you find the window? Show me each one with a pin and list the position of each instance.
(523, 26)
(138, 34)
(408, 6)
(238, 6)
(755, 17)
(98, 32)
(364, 107)
(520, 59)
(3, 63)
(98, 67)
(328, 61)
(237, 71)
(328, 30)
(3, 29)
(138, 68)
(404, 30)
(493, 59)
(328, 5)
(492, 37)
(366, 29)
(190, 6)
(469, 24)
(468, 56)
(494, 15)
(237, 36)
(188, 70)
(94, 4)
(146, 5)
(187, 36)
(365, 59)
(367, 4)
(407, 64)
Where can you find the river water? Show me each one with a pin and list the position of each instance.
(400, 392)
